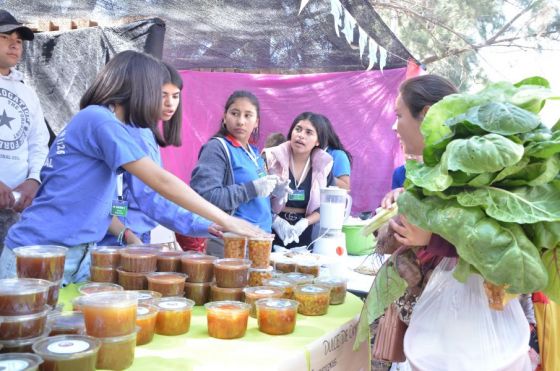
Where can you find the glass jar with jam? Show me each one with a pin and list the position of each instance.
(276, 316)
(174, 316)
(20, 361)
(234, 246)
(116, 353)
(313, 300)
(199, 292)
(285, 265)
(227, 319)
(226, 294)
(167, 283)
(257, 276)
(45, 262)
(19, 296)
(148, 296)
(103, 274)
(287, 286)
(95, 287)
(67, 323)
(298, 278)
(259, 251)
(132, 280)
(105, 256)
(169, 261)
(337, 286)
(68, 352)
(252, 294)
(231, 272)
(199, 268)
(311, 267)
(110, 314)
(146, 317)
(139, 259)
(24, 326)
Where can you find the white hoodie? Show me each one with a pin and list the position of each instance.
(23, 132)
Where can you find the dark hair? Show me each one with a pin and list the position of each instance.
(133, 80)
(274, 139)
(333, 141)
(239, 94)
(318, 122)
(421, 91)
(172, 127)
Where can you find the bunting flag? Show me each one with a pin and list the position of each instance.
(336, 11)
(372, 50)
(382, 57)
(349, 24)
(362, 41)
(302, 5)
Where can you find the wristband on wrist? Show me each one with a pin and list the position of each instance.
(121, 238)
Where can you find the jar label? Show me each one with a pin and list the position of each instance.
(264, 292)
(312, 289)
(172, 304)
(14, 365)
(141, 311)
(68, 346)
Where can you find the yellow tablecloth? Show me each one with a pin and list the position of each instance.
(323, 342)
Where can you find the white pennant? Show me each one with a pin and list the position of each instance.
(362, 42)
(372, 46)
(349, 24)
(302, 5)
(336, 11)
(382, 57)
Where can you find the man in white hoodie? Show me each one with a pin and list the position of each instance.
(23, 133)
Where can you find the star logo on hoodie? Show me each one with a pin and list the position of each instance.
(5, 120)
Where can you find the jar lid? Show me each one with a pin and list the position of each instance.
(263, 291)
(173, 303)
(144, 310)
(298, 277)
(24, 286)
(147, 295)
(261, 270)
(19, 361)
(233, 235)
(95, 287)
(46, 251)
(68, 320)
(65, 347)
(277, 303)
(313, 289)
(198, 258)
(25, 317)
(330, 281)
(279, 282)
(233, 263)
(170, 254)
(227, 305)
(111, 299)
(109, 250)
(163, 276)
(142, 252)
(264, 238)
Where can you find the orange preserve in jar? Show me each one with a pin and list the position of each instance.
(199, 292)
(105, 256)
(167, 283)
(231, 272)
(199, 268)
(234, 246)
(146, 317)
(20, 296)
(276, 316)
(169, 261)
(139, 259)
(116, 353)
(110, 314)
(337, 286)
(252, 294)
(225, 293)
(103, 274)
(132, 280)
(287, 286)
(95, 287)
(285, 265)
(45, 262)
(314, 300)
(257, 276)
(68, 352)
(174, 316)
(227, 319)
(259, 251)
(308, 267)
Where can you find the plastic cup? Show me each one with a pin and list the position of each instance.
(337, 286)
(259, 251)
(276, 316)
(231, 272)
(20, 361)
(68, 352)
(227, 319)
(234, 246)
(40, 261)
(314, 300)
(95, 287)
(174, 316)
(20, 296)
(110, 314)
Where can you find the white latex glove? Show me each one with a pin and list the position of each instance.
(282, 189)
(284, 230)
(265, 185)
(299, 227)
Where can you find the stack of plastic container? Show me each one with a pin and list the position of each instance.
(259, 254)
(135, 264)
(104, 263)
(200, 273)
(232, 276)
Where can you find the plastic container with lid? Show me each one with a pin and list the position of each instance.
(77, 303)
(167, 283)
(276, 316)
(199, 292)
(199, 268)
(20, 362)
(252, 294)
(110, 314)
(231, 272)
(52, 295)
(40, 261)
(298, 278)
(169, 261)
(67, 323)
(146, 317)
(227, 294)
(257, 276)
(68, 352)
(132, 280)
(311, 267)
(103, 274)
(258, 250)
(139, 259)
(285, 265)
(286, 285)
(22, 345)
(147, 296)
(23, 327)
(106, 256)
(95, 287)
(234, 246)
(174, 316)
(337, 286)
(117, 353)
(313, 299)
(227, 319)
(20, 296)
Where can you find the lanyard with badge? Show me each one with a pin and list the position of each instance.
(120, 205)
(255, 159)
(299, 194)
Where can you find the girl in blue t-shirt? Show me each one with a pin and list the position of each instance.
(342, 159)
(74, 203)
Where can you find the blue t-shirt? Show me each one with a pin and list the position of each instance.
(146, 208)
(399, 176)
(341, 163)
(79, 179)
(258, 210)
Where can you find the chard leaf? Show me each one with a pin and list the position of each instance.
(510, 170)
(533, 174)
(500, 252)
(488, 153)
(533, 80)
(545, 235)
(551, 260)
(532, 97)
(522, 205)
(482, 180)
(431, 178)
(544, 148)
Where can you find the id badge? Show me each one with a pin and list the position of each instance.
(119, 208)
(297, 195)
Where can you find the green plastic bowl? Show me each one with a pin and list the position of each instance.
(356, 243)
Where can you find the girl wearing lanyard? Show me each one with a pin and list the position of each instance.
(307, 167)
(230, 173)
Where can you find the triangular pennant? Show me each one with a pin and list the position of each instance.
(349, 24)
(382, 58)
(372, 46)
(363, 40)
(302, 5)
(336, 11)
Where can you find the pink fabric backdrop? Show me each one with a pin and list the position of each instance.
(360, 105)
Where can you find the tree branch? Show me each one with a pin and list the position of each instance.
(511, 21)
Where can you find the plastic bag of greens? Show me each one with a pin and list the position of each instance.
(453, 328)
